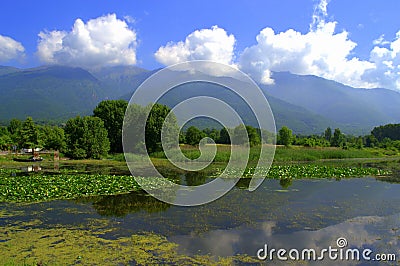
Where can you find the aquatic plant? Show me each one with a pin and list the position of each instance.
(40, 187)
(67, 185)
(61, 245)
(310, 171)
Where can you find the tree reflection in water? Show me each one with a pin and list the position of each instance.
(122, 204)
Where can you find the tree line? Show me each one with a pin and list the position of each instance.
(387, 137)
(89, 136)
(97, 135)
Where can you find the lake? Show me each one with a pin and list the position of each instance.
(309, 213)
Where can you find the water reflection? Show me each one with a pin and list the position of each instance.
(111, 168)
(243, 183)
(380, 234)
(31, 168)
(307, 214)
(285, 182)
(128, 203)
(187, 178)
(123, 204)
(283, 213)
(394, 179)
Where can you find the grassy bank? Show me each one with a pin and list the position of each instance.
(289, 154)
(282, 154)
(298, 153)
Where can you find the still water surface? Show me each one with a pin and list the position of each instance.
(307, 214)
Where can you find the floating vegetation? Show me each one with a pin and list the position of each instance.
(41, 187)
(62, 245)
(309, 171)
(318, 171)
(7, 213)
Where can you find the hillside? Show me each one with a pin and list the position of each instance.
(297, 118)
(4, 70)
(119, 80)
(343, 104)
(306, 104)
(48, 93)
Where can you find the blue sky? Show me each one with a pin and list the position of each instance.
(353, 42)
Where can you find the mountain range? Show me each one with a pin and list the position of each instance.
(306, 104)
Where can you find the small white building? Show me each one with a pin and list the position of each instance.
(30, 150)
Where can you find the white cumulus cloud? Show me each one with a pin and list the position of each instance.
(10, 49)
(319, 15)
(320, 52)
(105, 40)
(387, 64)
(381, 40)
(206, 44)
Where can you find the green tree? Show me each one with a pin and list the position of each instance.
(285, 136)
(224, 136)
(370, 141)
(132, 131)
(254, 137)
(182, 137)
(194, 135)
(207, 131)
(5, 139)
(134, 141)
(266, 136)
(86, 137)
(243, 133)
(28, 134)
(396, 144)
(391, 131)
(154, 125)
(112, 113)
(214, 134)
(14, 126)
(310, 142)
(4, 131)
(53, 138)
(5, 142)
(240, 136)
(328, 134)
(386, 143)
(338, 138)
(359, 143)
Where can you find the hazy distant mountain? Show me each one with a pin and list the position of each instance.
(306, 104)
(340, 103)
(120, 80)
(297, 118)
(7, 70)
(60, 92)
(53, 92)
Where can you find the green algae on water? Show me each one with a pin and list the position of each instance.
(70, 246)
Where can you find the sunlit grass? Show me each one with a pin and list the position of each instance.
(284, 154)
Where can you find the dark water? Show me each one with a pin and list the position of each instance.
(308, 214)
